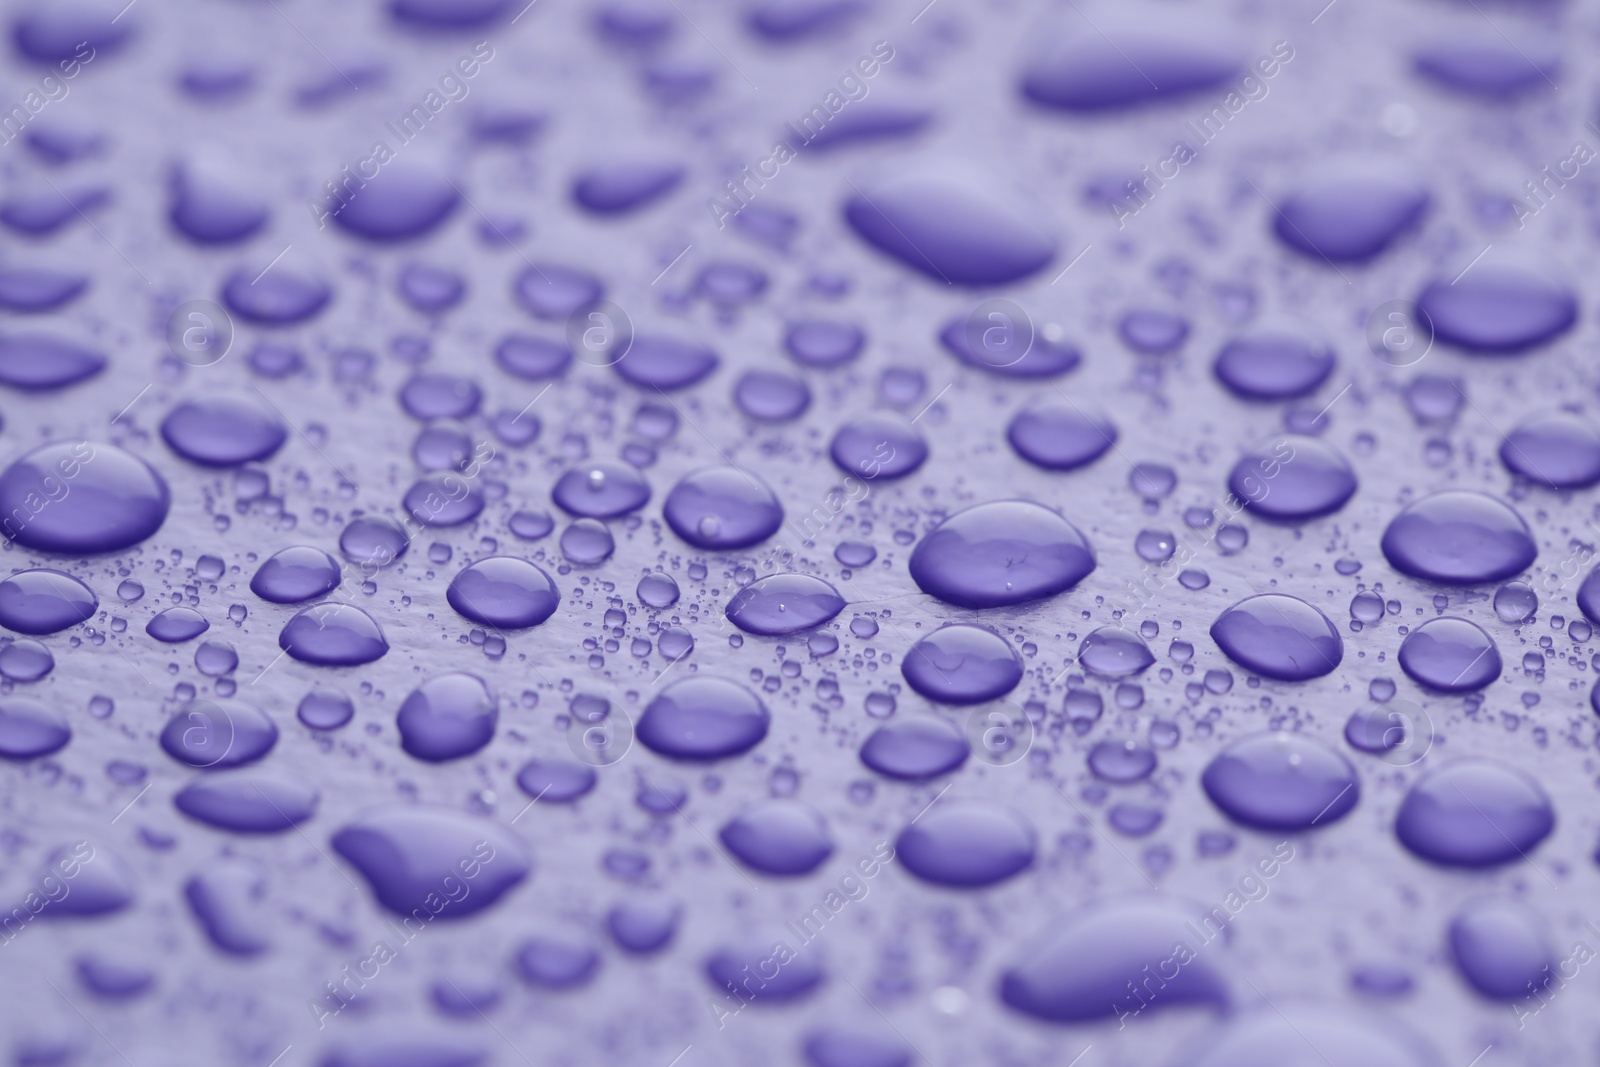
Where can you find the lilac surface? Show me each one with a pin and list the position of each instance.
(562, 265)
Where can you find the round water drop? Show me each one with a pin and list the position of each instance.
(1153, 332)
(1450, 655)
(1274, 365)
(962, 664)
(373, 540)
(218, 734)
(447, 717)
(1516, 601)
(601, 490)
(655, 361)
(722, 508)
(504, 592)
(1090, 964)
(988, 339)
(280, 297)
(247, 803)
(44, 601)
(430, 290)
(587, 542)
(325, 709)
(333, 635)
(1331, 1035)
(443, 500)
(1556, 449)
(1155, 546)
(1350, 210)
(880, 445)
(1293, 479)
(1281, 781)
(1474, 813)
(29, 729)
(440, 396)
(177, 625)
(295, 574)
(1129, 65)
(553, 292)
(798, 976)
(642, 925)
(1502, 950)
(404, 201)
(210, 208)
(406, 853)
(1121, 761)
(1061, 437)
(823, 343)
(1279, 636)
(854, 553)
(556, 963)
(703, 718)
(1112, 652)
(768, 396)
(836, 1047)
(58, 32)
(1000, 553)
(1487, 66)
(1377, 729)
(657, 590)
(1459, 537)
(967, 844)
(447, 15)
(25, 660)
(951, 229)
(115, 500)
(623, 186)
(223, 431)
(780, 837)
(556, 781)
(35, 362)
(781, 604)
(913, 749)
(36, 289)
(1498, 309)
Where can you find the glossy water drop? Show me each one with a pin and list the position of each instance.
(247, 802)
(1128, 64)
(407, 853)
(779, 837)
(1450, 655)
(1274, 365)
(37, 362)
(216, 735)
(769, 396)
(504, 592)
(405, 200)
(1091, 964)
(642, 925)
(554, 292)
(882, 445)
(703, 718)
(279, 297)
(35, 289)
(967, 844)
(1000, 553)
(655, 361)
(443, 500)
(781, 604)
(210, 208)
(1554, 448)
(823, 343)
(1498, 309)
(587, 542)
(1502, 950)
(1350, 210)
(950, 228)
(961, 663)
(728, 968)
(623, 186)
(1121, 761)
(333, 635)
(1279, 636)
(1112, 652)
(447, 717)
(657, 590)
(177, 625)
(44, 601)
(1516, 602)
(601, 490)
(1153, 332)
(1293, 479)
(429, 289)
(325, 709)
(1474, 813)
(556, 781)
(298, 573)
(1061, 437)
(722, 508)
(1281, 781)
(912, 749)
(373, 540)
(1459, 537)
(30, 729)
(112, 499)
